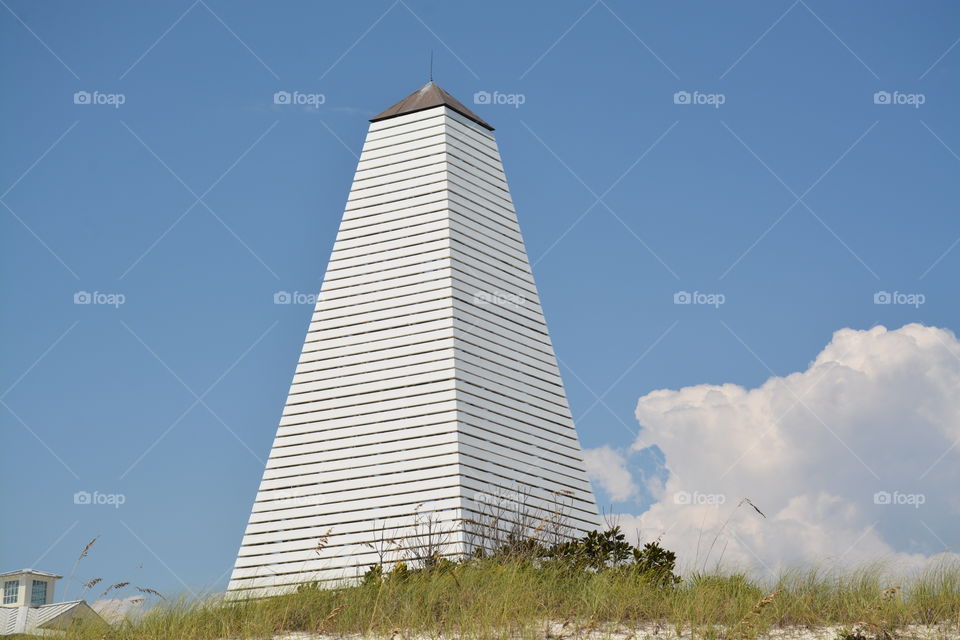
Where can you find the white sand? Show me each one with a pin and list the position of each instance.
(659, 632)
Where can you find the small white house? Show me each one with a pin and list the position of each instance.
(27, 606)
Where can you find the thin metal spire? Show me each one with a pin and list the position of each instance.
(431, 65)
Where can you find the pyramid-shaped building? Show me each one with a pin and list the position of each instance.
(427, 416)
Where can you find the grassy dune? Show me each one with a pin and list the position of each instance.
(515, 598)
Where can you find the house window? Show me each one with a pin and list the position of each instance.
(10, 589)
(38, 595)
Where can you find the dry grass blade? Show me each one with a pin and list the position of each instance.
(745, 628)
(755, 508)
(150, 592)
(333, 614)
(881, 627)
(117, 585)
(724, 526)
(76, 563)
(891, 593)
(766, 601)
(322, 542)
(86, 549)
(92, 583)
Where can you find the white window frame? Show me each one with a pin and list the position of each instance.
(33, 593)
(11, 590)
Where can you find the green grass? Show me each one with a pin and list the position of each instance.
(497, 599)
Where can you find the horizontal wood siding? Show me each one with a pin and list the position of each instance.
(427, 381)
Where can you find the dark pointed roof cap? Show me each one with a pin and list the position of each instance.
(427, 97)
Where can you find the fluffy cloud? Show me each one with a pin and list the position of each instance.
(607, 467)
(851, 460)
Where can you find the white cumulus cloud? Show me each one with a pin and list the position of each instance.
(854, 459)
(607, 467)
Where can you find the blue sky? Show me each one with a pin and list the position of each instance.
(797, 199)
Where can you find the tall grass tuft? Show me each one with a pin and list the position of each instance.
(517, 598)
(529, 579)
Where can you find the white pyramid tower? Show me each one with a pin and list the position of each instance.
(427, 413)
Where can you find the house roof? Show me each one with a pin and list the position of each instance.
(32, 572)
(429, 96)
(52, 616)
(48, 612)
